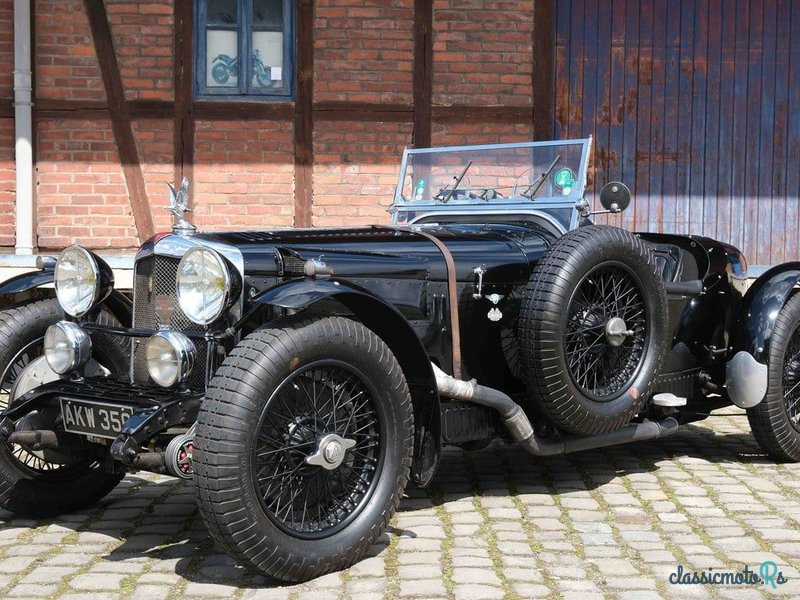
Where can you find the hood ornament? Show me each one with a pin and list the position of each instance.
(179, 206)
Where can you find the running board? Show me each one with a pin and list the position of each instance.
(521, 430)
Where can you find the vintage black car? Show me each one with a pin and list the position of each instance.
(300, 378)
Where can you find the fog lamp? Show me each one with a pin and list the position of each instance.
(67, 347)
(170, 357)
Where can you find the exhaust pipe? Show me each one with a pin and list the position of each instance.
(35, 439)
(521, 430)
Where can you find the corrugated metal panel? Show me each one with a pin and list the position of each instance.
(689, 102)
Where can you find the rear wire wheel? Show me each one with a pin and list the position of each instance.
(775, 421)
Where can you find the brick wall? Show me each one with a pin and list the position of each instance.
(143, 38)
(6, 48)
(7, 182)
(243, 168)
(154, 145)
(66, 63)
(355, 171)
(6, 126)
(363, 50)
(81, 191)
(482, 52)
(243, 174)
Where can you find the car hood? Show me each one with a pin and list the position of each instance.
(506, 252)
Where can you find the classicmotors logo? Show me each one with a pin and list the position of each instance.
(767, 574)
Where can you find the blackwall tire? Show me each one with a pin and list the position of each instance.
(257, 423)
(564, 317)
(771, 420)
(36, 492)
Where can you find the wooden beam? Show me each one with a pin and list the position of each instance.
(363, 111)
(304, 114)
(482, 114)
(423, 72)
(183, 123)
(6, 108)
(233, 110)
(120, 116)
(544, 41)
(226, 110)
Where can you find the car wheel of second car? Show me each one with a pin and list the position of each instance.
(46, 483)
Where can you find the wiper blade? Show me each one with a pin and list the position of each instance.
(534, 186)
(452, 188)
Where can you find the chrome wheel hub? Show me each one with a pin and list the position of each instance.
(330, 452)
(616, 331)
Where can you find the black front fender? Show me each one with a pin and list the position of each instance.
(26, 282)
(393, 328)
(760, 307)
(119, 304)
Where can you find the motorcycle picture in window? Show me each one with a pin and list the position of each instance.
(226, 67)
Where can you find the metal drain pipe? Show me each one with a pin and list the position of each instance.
(521, 430)
(23, 125)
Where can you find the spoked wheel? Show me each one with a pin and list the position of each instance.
(30, 352)
(318, 449)
(593, 329)
(45, 482)
(303, 446)
(775, 421)
(606, 331)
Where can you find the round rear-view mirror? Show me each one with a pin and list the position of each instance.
(615, 196)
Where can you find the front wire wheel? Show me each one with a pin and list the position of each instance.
(303, 446)
(318, 449)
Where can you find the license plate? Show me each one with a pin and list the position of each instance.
(94, 418)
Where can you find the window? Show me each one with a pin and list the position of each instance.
(230, 29)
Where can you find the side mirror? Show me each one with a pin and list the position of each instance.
(615, 196)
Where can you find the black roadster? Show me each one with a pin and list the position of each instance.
(300, 378)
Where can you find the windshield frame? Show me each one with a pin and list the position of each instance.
(539, 205)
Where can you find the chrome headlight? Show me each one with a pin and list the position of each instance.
(81, 280)
(170, 358)
(204, 285)
(67, 347)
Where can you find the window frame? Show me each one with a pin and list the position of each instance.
(244, 29)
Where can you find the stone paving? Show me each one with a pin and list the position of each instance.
(495, 524)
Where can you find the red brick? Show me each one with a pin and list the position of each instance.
(491, 39)
(354, 44)
(244, 174)
(80, 182)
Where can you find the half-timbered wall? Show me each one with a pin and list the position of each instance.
(689, 102)
(115, 114)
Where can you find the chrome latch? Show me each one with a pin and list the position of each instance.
(478, 293)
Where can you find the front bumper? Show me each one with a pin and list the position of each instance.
(154, 409)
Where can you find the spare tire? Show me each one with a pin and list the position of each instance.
(593, 329)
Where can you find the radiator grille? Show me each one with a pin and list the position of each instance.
(156, 307)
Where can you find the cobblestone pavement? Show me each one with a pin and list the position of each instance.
(495, 524)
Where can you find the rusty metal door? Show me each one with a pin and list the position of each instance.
(695, 104)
